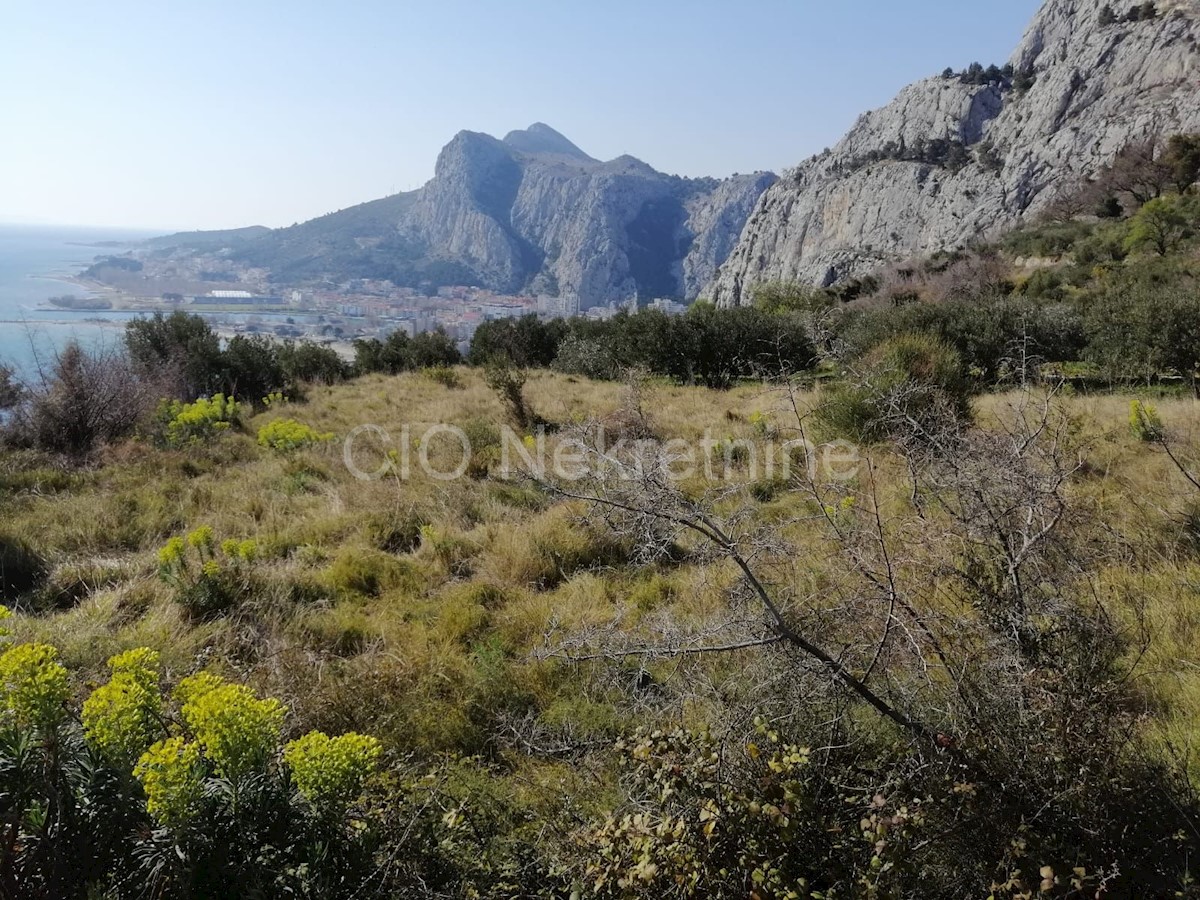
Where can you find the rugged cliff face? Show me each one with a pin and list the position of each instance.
(949, 161)
(530, 212)
(535, 212)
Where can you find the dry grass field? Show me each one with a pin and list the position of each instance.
(420, 609)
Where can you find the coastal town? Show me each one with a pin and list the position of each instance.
(244, 300)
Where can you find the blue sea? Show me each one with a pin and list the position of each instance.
(30, 258)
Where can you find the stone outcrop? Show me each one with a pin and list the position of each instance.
(1080, 90)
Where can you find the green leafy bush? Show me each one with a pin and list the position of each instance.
(401, 353)
(305, 361)
(443, 375)
(179, 348)
(1160, 225)
(911, 383)
(587, 357)
(1140, 327)
(993, 338)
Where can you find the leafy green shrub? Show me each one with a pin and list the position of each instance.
(993, 339)
(913, 381)
(400, 353)
(305, 361)
(443, 375)
(287, 435)
(179, 424)
(1160, 225)
(1141, 327)
(1044, 284)
(251, 367)
(709, 346)
(178, 348)
(1105, 246)
(508, 383)
(1050, 240)
(525, 342)
(587, 357)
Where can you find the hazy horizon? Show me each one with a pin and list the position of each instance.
(219, 115)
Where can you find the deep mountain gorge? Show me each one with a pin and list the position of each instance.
(956, 158)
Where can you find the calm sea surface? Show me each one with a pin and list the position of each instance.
(30, 257)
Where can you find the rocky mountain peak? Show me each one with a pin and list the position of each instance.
(530, 213)
(541, 139)
(967, 155)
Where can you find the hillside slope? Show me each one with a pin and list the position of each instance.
(530, 212)
(956, 158)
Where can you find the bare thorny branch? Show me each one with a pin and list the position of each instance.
(646, 494)
(996, 495)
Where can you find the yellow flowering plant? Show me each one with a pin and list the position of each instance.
(193, 792)
(286, 435)
(218, 577)
(329, 772)
(172, 775)
(180, 424)
(238, 732)
(33, 687)
(202, 540)
(121, 718)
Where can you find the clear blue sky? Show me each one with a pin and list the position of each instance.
(220, 113)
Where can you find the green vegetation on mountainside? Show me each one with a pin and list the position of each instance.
(711, 650)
